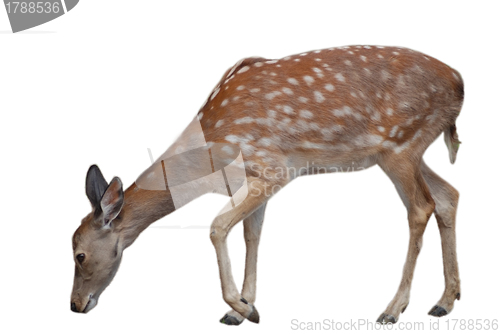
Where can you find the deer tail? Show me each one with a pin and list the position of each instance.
(452, 142)
(450, 132)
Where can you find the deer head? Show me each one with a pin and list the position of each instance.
(97, 245)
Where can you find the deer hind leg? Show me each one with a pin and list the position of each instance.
(259, 193)
(446, 198)
(414, 192)
(252, 228)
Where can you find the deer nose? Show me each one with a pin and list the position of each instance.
(73, 307)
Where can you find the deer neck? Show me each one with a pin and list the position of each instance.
(142, 208)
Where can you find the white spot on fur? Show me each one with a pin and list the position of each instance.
(384, 75)
(302, 125)
(318, 96)
(367, 140)
(358, 116)
(216, 91)
(219, 123)
(308, 144)
(247, 149)
(288, 110)
(308, 79)
(314, 126)
(339, 77)
(342, 112)
(329, 87)
(319, 72)
(363, 58)
(389, 144)
(271, 113)
(410, 120)
(327, 133)
(348, 62)
(232, 139)
(306, 114)
(393, 131)
(243, 69)
(303, 99)
(271, 61)
(258, 64)
(389, 111)
(287, 91)
(401, 148)
(244, 120)
(337, 128)
(200, 115)
(265, 141)
(272, 95)
(265, 121)
(254, 90)
(224, 103)
(292, 81)
(241, 87)
(381, 128)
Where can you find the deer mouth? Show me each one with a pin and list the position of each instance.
(90, 304)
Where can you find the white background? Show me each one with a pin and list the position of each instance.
(110, 79)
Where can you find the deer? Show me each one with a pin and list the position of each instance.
(269, 121)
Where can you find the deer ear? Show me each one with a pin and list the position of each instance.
(112, 200)
(95, 185)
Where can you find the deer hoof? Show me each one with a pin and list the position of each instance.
(438, 311)
(254, 315)
(386, 319)
(230, 320)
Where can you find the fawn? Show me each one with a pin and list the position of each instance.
(351, 106)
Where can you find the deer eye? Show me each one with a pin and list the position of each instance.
(80, 257)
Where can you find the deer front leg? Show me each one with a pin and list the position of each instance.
(259, 193)
(415, 194)
(252, 228)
